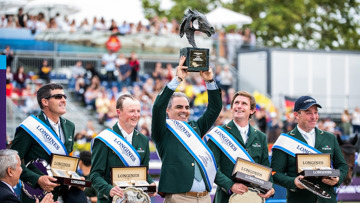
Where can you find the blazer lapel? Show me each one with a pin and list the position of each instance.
(135, 139)
(116, 129)
(319, 138)
(251, 136)
(234, 131)
(295, 132)
(65, 130)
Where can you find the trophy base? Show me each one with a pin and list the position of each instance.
(197, 59)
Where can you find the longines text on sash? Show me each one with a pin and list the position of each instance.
(48, 137)
(226, 140)
(125, 149)
(182, 128)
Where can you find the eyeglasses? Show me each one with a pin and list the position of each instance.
(57, 96)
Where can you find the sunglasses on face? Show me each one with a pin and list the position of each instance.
(57, 96)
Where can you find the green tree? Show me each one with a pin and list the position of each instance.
(304, 24)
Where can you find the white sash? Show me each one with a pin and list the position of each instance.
(292, 146)
(44, 135)
(197, 148)
(125, 151)
(228, 144)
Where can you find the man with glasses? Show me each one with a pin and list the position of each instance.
(39, 136)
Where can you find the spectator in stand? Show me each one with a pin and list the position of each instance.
(165, 26)
(21, 18)
(356, 120)
(9, 55)
(103, 26)
(108, 61)
(124, 28)
(329, 125)
(121, 60)
(41, 24)
(275, 128)
(113, 27)
(91, 93)
(346, 122)
(31, 23)
(249, 39)
(85, 167)
(9, 75)
(96, 24)
(44, 72)
(289, 123)
(169, 74)
(140, 28)
(233, 40)
(261, 118)
(175, 27)
(148, 86)
(11, 22)
(52, 24)
(3, 21)
(125, 72)
(9, 80)
(20, 78)
(135, 68)
(90, 72)
(226, 79)
(85, 26)
(73, 27)
(158, 71)
(77, 71)
(102, 103)
(80, 88)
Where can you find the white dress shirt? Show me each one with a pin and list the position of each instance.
(127, 136)
(308, 136)
(243, 131)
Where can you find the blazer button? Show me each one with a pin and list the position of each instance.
(192, 164)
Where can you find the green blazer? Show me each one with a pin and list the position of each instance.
(285, 167)
(256, 146)
(177, 170)
(103, 159)
(29, 149)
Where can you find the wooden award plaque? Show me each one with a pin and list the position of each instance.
(253, 175)
(315, 165)
(131, 176)
(63, 168)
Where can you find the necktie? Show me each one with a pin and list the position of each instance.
(197, 175)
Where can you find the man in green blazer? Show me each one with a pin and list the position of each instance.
(52, 101)
(284, 165)
(104, 158)
(177, 178)
(243, 106)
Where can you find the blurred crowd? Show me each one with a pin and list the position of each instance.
(226, 42)
(39, 23)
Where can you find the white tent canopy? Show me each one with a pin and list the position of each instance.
(51, 7)
(223, 17)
